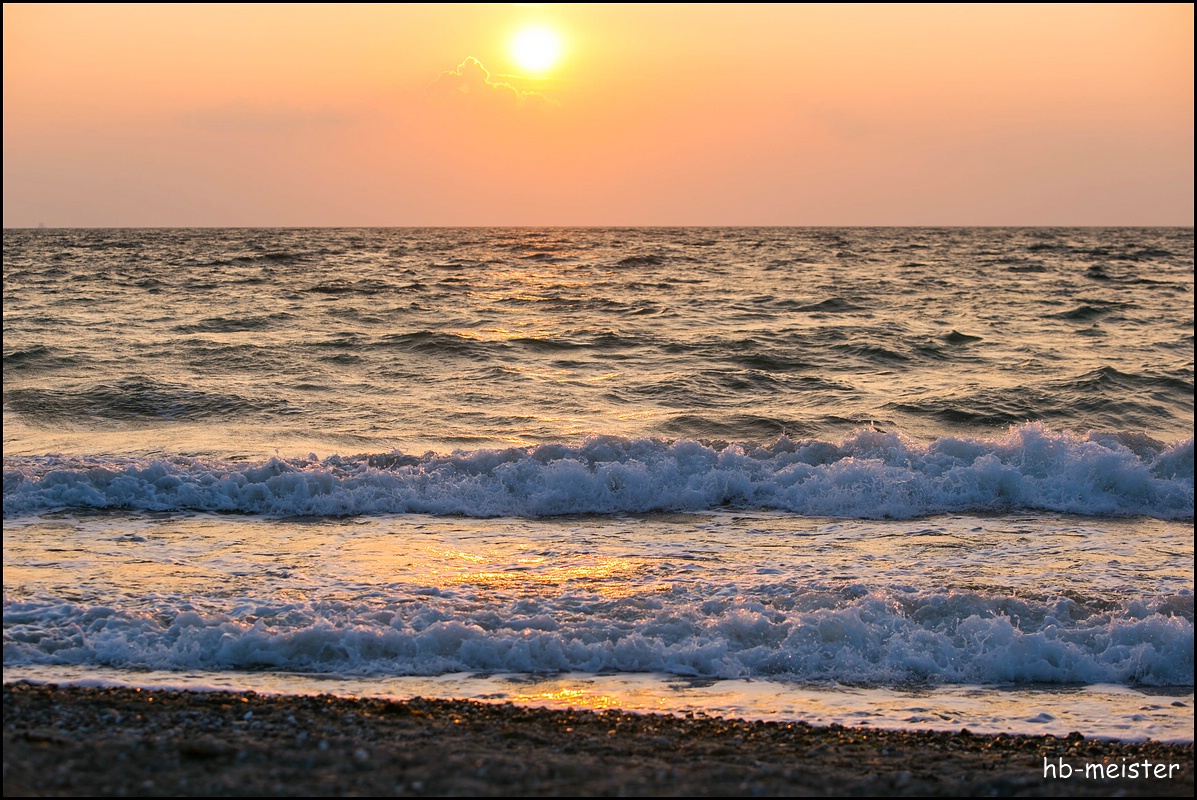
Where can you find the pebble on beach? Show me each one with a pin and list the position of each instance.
(108, 741)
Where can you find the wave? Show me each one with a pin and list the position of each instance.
(134, 398)
(854, 636)
(872, 474)
(1104, 396)
(235, 324)
(37, 357)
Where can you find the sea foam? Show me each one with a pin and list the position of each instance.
(860, 636)
(871, 474)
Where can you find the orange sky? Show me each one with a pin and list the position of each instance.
(805, 114)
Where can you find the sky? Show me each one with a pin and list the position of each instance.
(647, 114)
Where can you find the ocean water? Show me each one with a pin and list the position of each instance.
(903, 477)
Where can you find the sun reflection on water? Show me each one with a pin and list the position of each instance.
(570, 697)
(609, 577)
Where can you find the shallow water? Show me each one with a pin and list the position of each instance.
(756, 615)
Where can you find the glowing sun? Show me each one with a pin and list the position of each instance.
(536, 49)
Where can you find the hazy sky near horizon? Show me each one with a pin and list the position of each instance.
(705, 114)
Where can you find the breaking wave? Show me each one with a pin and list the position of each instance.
(871, 474)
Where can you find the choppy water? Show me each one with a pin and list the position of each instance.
(871, 458)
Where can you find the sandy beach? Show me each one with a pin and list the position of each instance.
(99, 741)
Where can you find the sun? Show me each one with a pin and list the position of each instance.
(536, 49)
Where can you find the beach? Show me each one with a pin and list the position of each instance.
(71, 740)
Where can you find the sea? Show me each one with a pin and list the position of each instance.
(893, 477)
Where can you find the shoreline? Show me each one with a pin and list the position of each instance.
(72, 740)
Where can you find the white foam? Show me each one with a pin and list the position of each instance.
(870, 474)
(856, 636)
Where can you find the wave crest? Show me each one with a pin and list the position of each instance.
(871, 474)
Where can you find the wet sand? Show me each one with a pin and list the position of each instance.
(89, 741)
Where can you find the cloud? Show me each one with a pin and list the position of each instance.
(470, 83)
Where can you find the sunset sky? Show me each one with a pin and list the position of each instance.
(413, 115)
